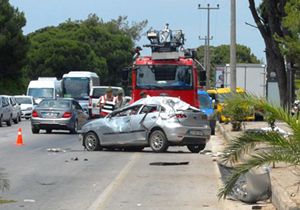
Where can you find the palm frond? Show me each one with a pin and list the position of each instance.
(248, 141)
(256, 160)
(261, 104)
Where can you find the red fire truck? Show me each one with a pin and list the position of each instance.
(170, 71)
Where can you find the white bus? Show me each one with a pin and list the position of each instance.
(77, 85)
(44, 87)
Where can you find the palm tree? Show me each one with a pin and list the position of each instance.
(4, 182)
(279, 147)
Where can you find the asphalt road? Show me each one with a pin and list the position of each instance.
(44, 180)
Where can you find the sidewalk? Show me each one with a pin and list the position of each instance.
(285, 180)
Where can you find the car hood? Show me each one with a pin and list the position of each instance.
(94, 123)
(25, 106)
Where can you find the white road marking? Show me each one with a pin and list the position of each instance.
(102, 199)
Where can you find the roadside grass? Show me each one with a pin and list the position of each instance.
(3, 201)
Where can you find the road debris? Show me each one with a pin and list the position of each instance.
(55, 150)
(74, 158)
(29, 200)
(252, 187)
(168, 163)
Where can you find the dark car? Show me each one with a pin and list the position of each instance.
(58, 114)
(206, 106)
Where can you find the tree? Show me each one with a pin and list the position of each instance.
(276, 147)
(291, 41)
(269, 20)
(86, 45)
(13, 47)
(220, 55)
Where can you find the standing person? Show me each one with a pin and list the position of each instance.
(120, 102)
(107, 102)
(143, 94)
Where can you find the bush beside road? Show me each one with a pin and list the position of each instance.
(284, 179)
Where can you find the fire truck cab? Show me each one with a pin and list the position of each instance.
(169, 71)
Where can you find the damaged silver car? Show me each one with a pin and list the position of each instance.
(158, 122)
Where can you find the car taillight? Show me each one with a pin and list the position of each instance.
(67, 115)
(34, 114)
(180, 116)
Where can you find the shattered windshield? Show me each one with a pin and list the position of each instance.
(164, 76)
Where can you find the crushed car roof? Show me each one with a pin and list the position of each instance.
(173, 102)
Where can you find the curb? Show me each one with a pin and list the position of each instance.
(279, 198)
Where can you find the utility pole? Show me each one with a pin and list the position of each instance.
(208, 38)
(233, 46)
(205, 51)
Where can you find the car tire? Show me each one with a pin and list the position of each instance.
(91, 142)
(9, 122)
(196, 148)
(16, 121)
(158, 141)
(1, 121)
(74, 129)
(35, 130)
(48, 130)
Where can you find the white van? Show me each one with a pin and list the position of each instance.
(95, 93)
(44, 87)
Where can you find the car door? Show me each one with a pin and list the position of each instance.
(6, 109)
(118, 129)
(143, 122)
(13, 107)
(81, 116)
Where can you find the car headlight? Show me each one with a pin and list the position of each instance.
(29, 108)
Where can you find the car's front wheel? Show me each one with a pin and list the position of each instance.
(9, 122)
(91, 142)
(196, 148)
(158, 141)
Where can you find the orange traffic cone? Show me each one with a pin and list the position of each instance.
(19, 138)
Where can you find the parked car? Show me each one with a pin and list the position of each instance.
(95, 93)
(59, 114)
(16, 109)
(206, 106)
(27, 104)
(157, 122)
(5, 111)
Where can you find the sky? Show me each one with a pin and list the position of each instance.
(183, 14)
